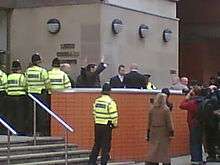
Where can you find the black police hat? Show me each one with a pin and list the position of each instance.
(16, 65)
(147, 75)
(35, 57)
(106, 88)
(56, 62)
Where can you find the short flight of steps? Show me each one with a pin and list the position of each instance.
(48, 151)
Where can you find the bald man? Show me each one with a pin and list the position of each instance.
(134, 79)
(180, 84)
(65, 67)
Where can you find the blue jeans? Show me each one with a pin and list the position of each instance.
(196, 135)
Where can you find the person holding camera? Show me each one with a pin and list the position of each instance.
(160, 131)
(191, 104)
(209, 119)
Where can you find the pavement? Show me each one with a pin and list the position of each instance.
(183, 160)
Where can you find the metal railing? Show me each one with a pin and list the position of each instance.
(62, 122)
(9, 130)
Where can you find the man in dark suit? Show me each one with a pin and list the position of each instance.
(89, 76)
(118, 81)
(134, 79)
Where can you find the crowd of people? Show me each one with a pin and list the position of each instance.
(17, 108)
(40, 82)
(15, 85)
(89, 77)
(203, 117)
(202, 105)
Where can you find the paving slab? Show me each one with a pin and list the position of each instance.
(183, 160)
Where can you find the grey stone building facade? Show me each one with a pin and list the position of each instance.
(86, 34)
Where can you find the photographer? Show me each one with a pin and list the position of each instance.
(209, 121)
(191, 104)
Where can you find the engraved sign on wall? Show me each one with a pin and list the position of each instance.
(68, 54)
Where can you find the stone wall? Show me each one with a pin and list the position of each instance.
(88, 27)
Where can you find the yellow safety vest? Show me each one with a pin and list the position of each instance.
(105, 110)
(58, 79)
(37, 79)
(16, 84)
(3, 81)
(151, 86)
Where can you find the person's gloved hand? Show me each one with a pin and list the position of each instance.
(148, 135)
(115, 125)
(44, 91)
(171, 133)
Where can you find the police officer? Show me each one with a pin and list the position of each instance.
(3, 109)
(58, 78)
(3, 82)
(106, 118)
(149, 84)
(38, 84)
(16, 90)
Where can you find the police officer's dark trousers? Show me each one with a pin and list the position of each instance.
(211, 139)
(17, 107)
(43, 126)
(103, 136)
(3, 112)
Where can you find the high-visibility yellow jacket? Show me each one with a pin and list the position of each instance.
(58, 79)
(105, 110)
(37, 79)
(3, 81)
(16, 85)
(151, 86)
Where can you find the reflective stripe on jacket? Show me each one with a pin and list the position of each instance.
(58, 79)
(37, 79)
(151, 86)
(16, 85)
(3, 81)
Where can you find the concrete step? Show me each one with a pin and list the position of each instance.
(49, 151)
(47, 156)
(27, 141)
(36, 149)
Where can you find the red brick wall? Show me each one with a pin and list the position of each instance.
(129, 139)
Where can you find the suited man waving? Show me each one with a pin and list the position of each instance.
(134, 79)
(118, 80)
